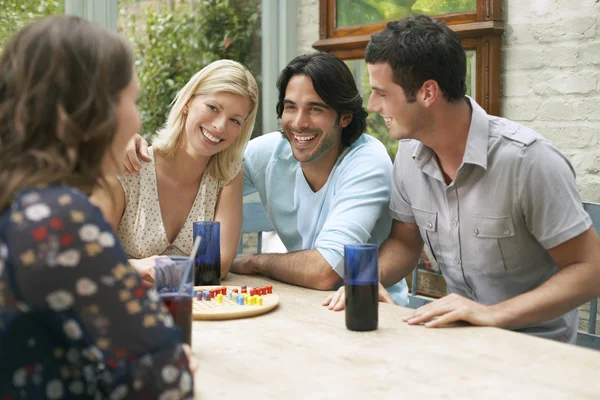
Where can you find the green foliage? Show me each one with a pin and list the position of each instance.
(439, 7)
(358, 12)
(16, 13)
(375, 124)
(175, 42)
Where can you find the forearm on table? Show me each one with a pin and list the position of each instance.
(306, 268)
(568, 289)
(397, 260)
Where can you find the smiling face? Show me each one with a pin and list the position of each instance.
(312, 127)
(405, 119)
(213, 122)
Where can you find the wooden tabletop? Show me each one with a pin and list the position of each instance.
(301, 350)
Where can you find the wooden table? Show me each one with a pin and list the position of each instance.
(301, 350)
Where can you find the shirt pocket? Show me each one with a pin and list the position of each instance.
(495, 244)
(427, 222)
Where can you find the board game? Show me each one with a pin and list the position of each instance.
(231, 302)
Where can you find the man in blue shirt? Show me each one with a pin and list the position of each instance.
(322, 181)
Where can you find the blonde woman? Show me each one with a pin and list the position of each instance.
(194, 172)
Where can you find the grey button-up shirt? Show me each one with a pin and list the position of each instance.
(514, 197)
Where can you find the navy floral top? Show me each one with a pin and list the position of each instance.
(75, 320)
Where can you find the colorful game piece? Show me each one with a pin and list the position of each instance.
(195, 292)
(227, 302)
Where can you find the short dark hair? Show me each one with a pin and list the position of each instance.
(334, 83)
(418, 49)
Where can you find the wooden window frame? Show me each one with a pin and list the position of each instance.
(480, 31)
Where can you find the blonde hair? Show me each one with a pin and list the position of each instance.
(219, 76)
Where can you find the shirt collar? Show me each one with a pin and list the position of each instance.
(477, 141)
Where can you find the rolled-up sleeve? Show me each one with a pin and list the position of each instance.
(548, 196)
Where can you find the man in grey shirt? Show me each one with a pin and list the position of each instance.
(495, 201)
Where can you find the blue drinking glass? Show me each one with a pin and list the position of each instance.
(207, 263)
(361, 277)
(174, 283)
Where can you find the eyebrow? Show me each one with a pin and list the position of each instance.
(377, 89)
(221, 107)
(310, 103)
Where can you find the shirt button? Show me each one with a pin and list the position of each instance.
(429, 225)
(457, 261)
(506, 232)
(475, 232)
(455, 223)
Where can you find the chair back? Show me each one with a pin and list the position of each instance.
(255, 220)
(590, 339)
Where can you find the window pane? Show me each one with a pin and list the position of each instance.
(375, 125)
(172, 40)
(359, 12)
(15, 14)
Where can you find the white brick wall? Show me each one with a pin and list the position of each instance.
(551, 78)
(308, 25)
(550, 75)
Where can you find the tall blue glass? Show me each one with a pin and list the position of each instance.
(207, 263)
(361, 277)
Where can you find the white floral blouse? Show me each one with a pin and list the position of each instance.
(141, 229)
(75, 320)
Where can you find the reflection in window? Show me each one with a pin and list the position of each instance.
(359, 12)
(375, 125)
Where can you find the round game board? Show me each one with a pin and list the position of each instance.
(212, 310)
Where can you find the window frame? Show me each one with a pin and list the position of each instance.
(480, 31)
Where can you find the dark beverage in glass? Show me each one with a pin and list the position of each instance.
(361, 306)
(180, 307)
(361, 279)
(207, 274)
(207, 263)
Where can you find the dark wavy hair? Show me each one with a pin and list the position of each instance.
(60, 79)
(418, 49)
(334, 83)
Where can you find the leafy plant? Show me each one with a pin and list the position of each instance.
(16, 13)
(173, 42)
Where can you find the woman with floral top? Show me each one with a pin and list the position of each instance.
(75, 320)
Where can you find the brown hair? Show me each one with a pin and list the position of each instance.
(60, 78)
